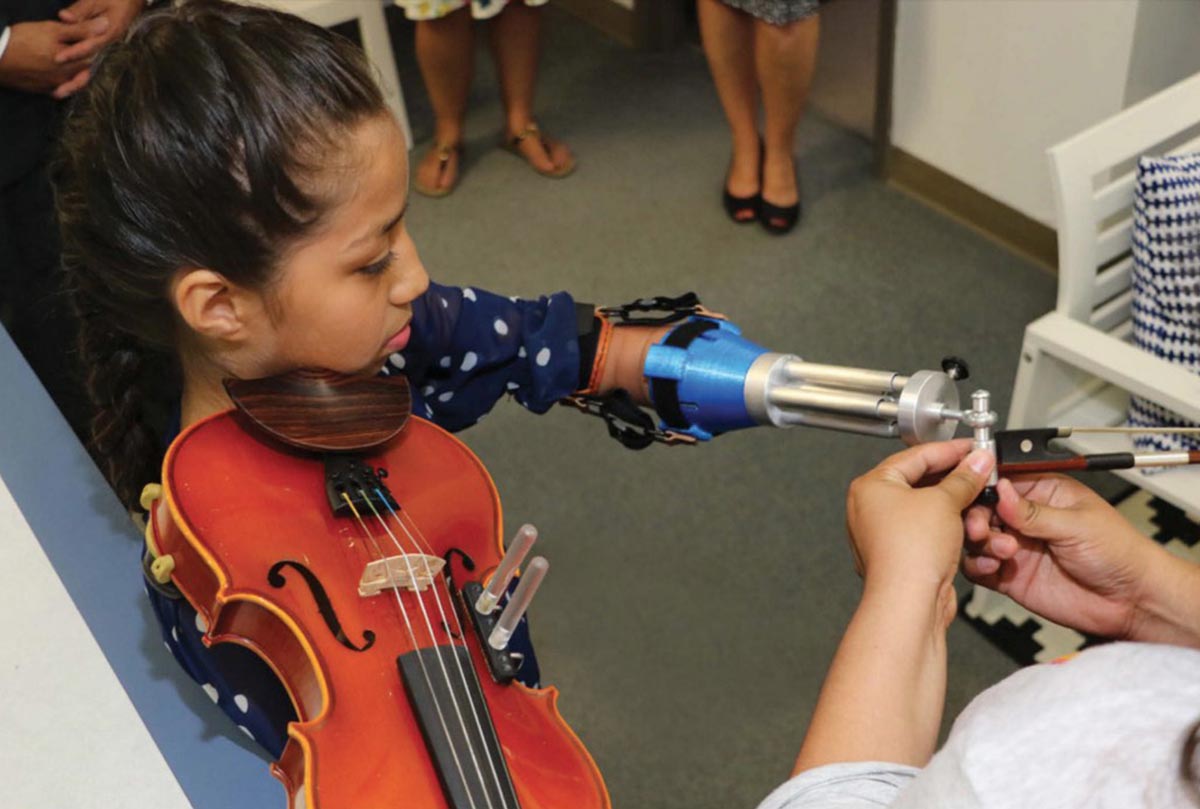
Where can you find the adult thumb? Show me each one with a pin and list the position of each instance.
(968, 479)
(1031, 518)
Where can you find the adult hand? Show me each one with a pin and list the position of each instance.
(118, 13)
(1060, 550)
(883, 697)
(29, 63)
(905, 515)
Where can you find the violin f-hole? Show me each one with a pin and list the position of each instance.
(277, 580)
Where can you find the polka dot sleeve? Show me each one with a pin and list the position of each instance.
(469, 347)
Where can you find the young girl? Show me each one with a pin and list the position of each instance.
(232, 192)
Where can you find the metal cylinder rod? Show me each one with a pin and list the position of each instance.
(983, 419)
(834, 400)
(844, 424)
(840, 376)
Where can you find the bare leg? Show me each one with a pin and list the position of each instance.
(728, 37)
(784, 57)
(445, 54)
(516, 46)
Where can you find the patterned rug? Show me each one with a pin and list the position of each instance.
(1027, 638)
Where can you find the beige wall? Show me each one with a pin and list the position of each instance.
(982, 87)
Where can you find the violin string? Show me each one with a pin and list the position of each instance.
(423, 547)
(413, 639)
(426, 552)
(438, 648)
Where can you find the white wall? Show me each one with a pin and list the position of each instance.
(983, 87)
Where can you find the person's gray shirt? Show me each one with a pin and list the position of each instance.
(1105, 728)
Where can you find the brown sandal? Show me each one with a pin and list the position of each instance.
(514, 145)
(445, 151)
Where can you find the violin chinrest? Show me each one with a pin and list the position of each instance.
(324, 411)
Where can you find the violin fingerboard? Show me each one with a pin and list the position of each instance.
(458, 730)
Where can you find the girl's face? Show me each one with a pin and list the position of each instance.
(343, 298)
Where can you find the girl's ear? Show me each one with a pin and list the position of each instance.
(212, 306)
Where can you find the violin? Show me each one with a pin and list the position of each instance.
(322, 526)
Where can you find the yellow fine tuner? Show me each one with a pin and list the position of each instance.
(161, 568)
(163, 563)
(150, 493)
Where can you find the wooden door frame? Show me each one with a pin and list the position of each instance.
(885, 68)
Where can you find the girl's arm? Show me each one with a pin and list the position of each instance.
(627, 359)
(883, 697)
(470, 347)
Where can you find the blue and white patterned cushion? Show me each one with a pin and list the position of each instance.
(1166, 282)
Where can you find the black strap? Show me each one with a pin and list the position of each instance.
(664, 393)
(665, 309)
(587, 326)
(626, 422)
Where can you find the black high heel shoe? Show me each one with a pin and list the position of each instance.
(778, 220)
(739, 207)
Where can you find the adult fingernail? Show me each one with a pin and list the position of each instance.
(980, 461)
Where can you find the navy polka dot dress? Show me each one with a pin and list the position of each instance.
(468, 349)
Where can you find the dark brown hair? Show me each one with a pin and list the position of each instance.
(195, 144)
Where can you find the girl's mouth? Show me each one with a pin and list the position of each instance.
(400, 340)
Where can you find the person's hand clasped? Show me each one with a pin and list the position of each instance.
(32, 61)
(1061, 551)
(905, 515)
(119, 15)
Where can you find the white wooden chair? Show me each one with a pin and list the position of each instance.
(376, 43)
(1077, 364)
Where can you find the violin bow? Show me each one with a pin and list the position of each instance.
(1020, 451)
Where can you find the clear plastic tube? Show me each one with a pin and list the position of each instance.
(531, 579)
(518, 549)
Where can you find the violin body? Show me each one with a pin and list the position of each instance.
(261, 555)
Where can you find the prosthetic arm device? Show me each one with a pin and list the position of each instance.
(705, 379)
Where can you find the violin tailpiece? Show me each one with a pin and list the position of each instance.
(347, 477)
(500, 661)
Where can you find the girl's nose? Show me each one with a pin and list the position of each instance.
(410, 283)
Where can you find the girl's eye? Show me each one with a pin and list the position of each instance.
(379, 266)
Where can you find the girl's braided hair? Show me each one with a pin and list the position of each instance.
(195, 144)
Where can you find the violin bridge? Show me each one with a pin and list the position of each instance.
(412, 571)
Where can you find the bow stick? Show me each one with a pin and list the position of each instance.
(1019, 451)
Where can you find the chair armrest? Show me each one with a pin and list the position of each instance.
(1118, 363)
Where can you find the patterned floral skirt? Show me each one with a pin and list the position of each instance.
(775, 12)
(433, 9)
